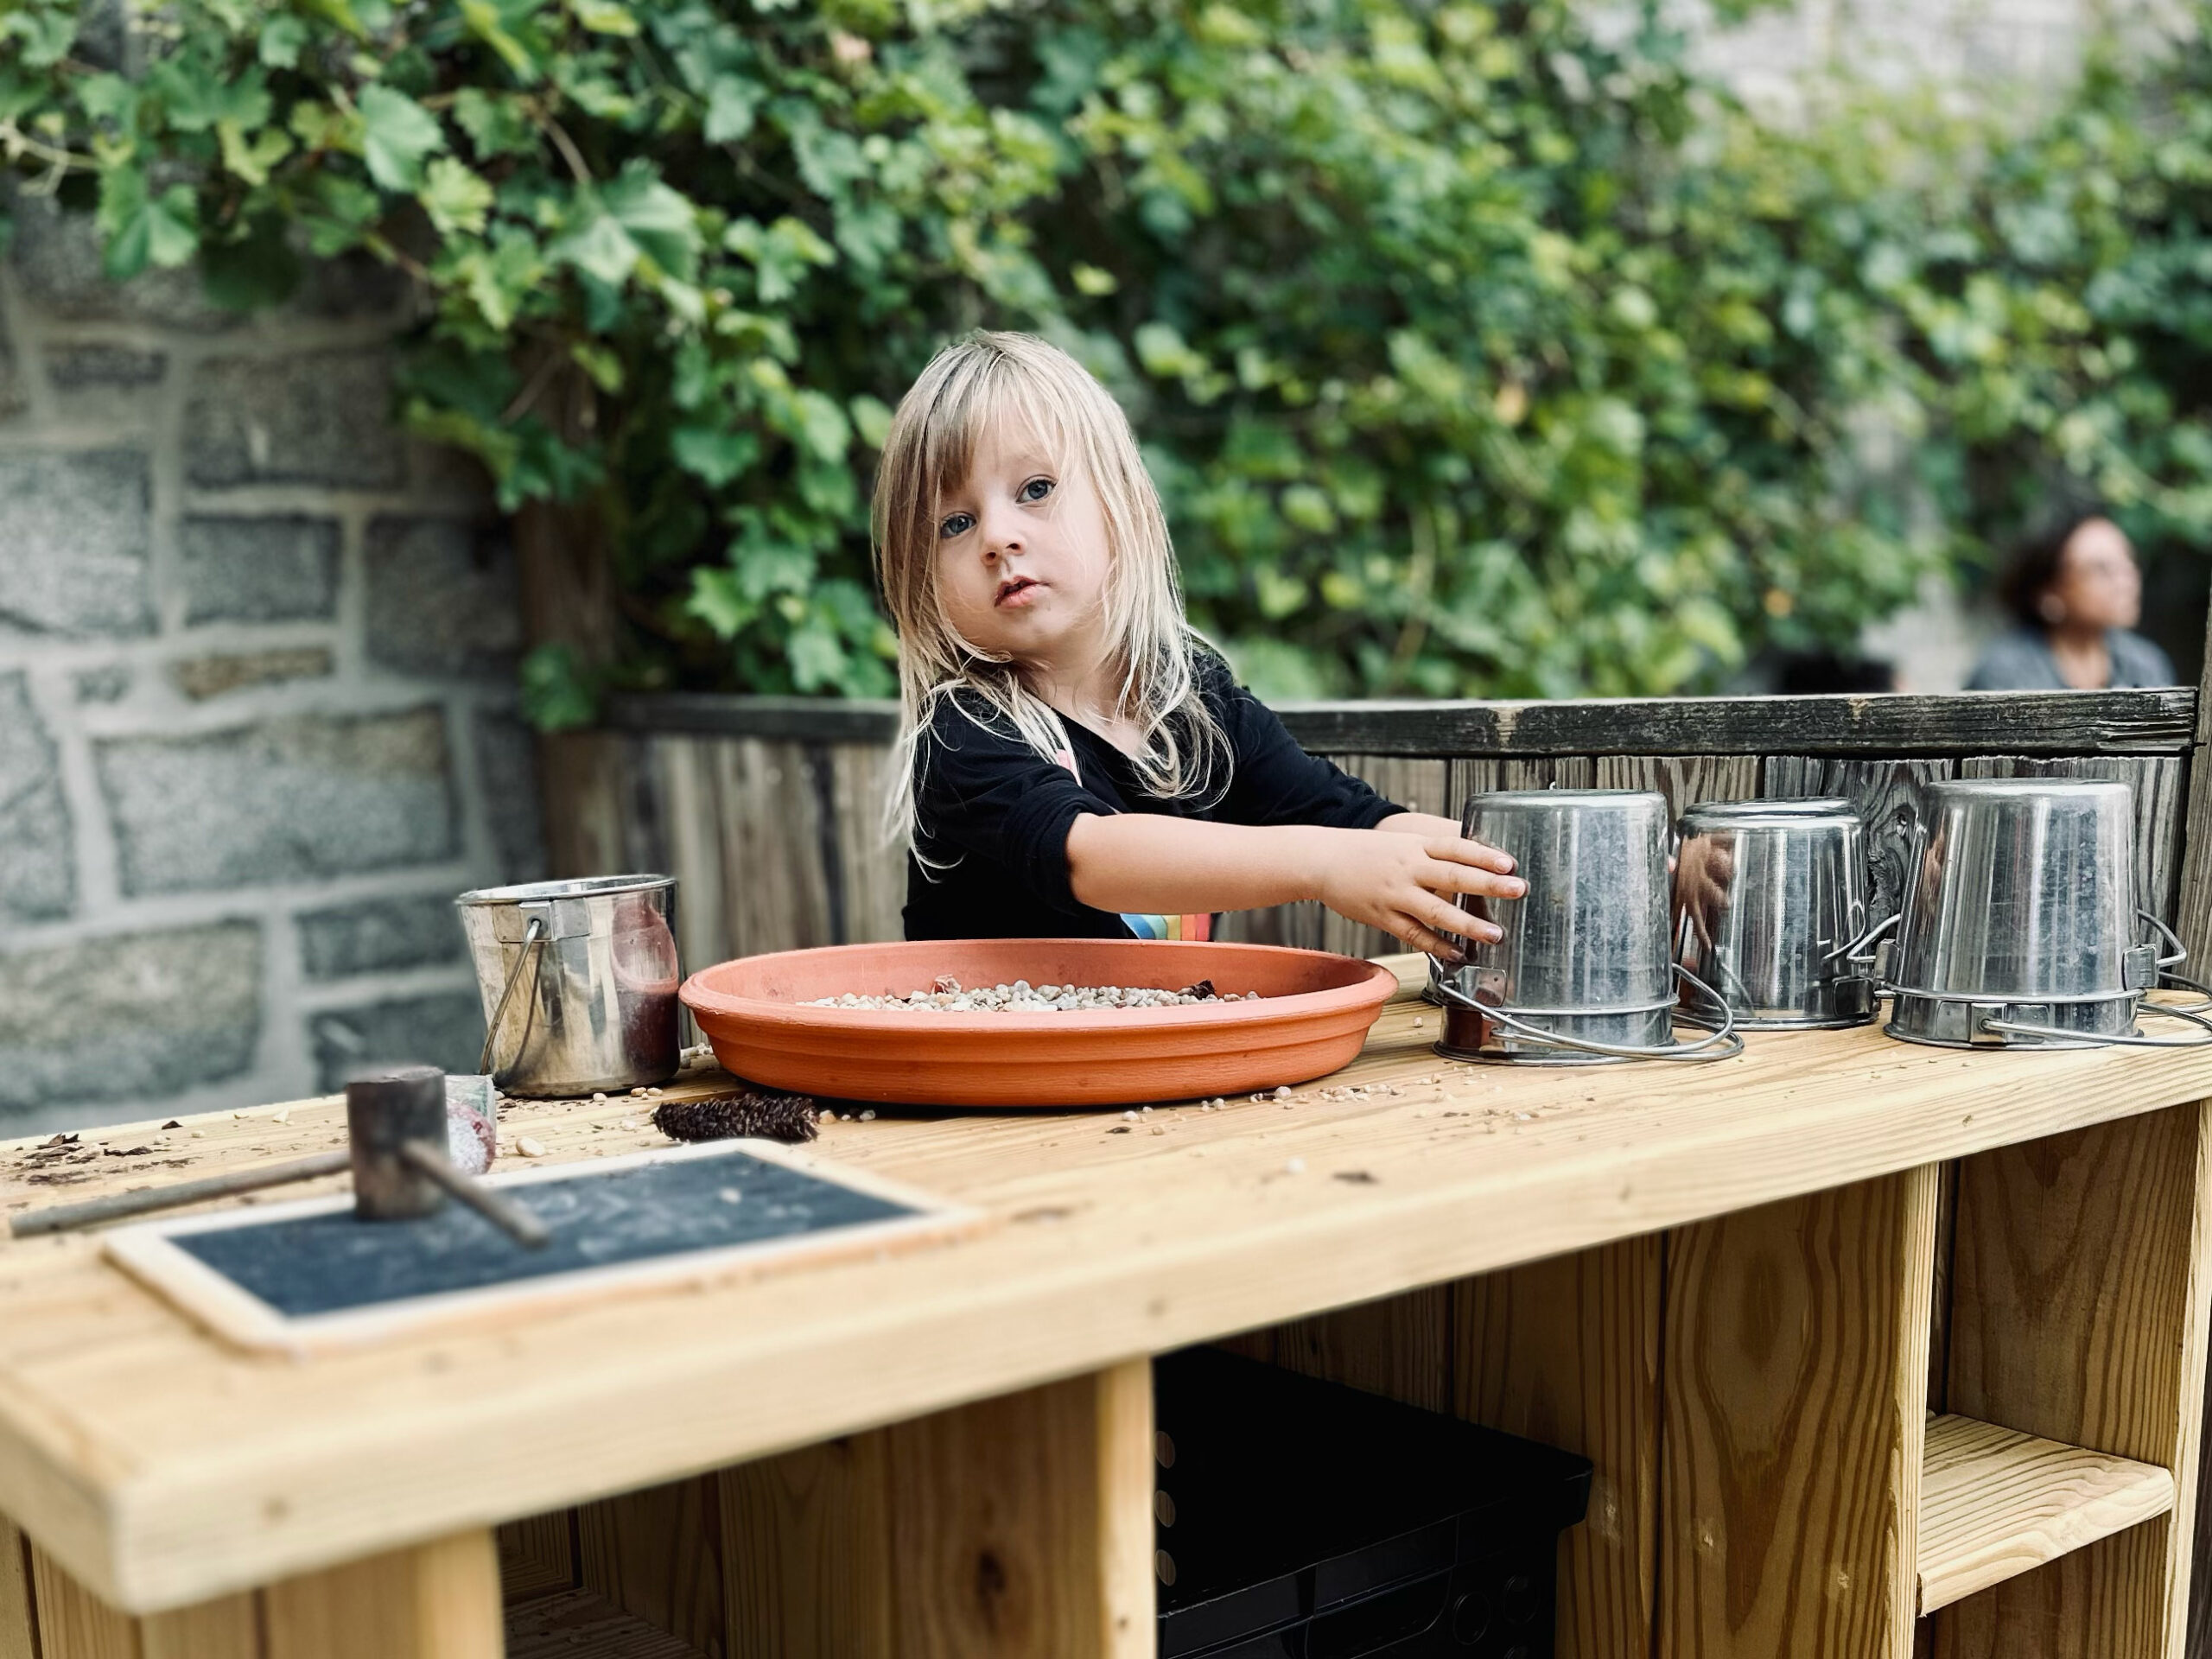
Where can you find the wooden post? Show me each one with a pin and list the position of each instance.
(1014, 1528)
(437, 1601)
(2193, 921)
(18, 1626)
(658, 1554)
(69, 1622)
(1566, 1352)
(1794, 1388)
(2078, 1315)
(2193, 909)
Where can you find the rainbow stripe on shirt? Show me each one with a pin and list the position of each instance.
(1169, 927)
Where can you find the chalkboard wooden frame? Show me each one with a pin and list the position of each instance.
(148, 1252)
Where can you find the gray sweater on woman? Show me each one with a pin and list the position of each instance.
(2021, 661)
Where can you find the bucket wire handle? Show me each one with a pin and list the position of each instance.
(1720, 1044)
(2015, 1028)
(1860, 952)
(533, 941)
(2180, 953)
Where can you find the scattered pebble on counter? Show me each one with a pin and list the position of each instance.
(529, 1148)
(868, 1117)
(1282, 1092)
(1022, 997)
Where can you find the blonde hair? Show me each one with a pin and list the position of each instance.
(987, 378)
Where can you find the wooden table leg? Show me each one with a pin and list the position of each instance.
(46, 1614)
(18, 1631)
(1794, 1377)
(437, 1601)
(1018, 1528)
(1566, 1352)
(2079, 1313)
(656, 1555)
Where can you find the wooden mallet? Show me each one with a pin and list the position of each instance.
(395, 1133)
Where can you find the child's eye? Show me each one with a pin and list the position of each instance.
(958, 525)
(1036, 489)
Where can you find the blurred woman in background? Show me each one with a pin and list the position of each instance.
(2077, 596)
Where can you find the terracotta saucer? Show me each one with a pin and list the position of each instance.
(1312, 1016)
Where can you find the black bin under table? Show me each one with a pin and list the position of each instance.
(1297, 1519)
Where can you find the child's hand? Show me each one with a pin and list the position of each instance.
(1408, 886)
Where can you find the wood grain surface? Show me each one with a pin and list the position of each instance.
(1117, 1238)
(658, 1554)
(1793, 1381)
(538, 1556)
(1017, 1529)
(579, 1625)
(438, 1600)
(1995, 1503)
(2044, 723)
(1566, 1352)
(2079, 1315)
(807, 1552)
(18, 1630)
(70, 1622)
(1401, 1346)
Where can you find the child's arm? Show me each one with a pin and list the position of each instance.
(1424, 823)
(1403, 883)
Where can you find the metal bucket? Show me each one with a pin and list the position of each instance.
(2020, 925)
(1583, 974)
(1770, 910)
(579, 981)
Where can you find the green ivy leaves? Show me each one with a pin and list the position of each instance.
(143, 229)
(1472, 352)
(397, 134)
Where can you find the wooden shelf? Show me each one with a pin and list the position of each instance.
(577, 1623)
(1995, 1503)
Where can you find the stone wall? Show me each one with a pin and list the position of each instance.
(257, 708)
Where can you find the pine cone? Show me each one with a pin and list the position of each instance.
(750, 1114)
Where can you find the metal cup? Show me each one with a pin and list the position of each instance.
(1583, 974)
(578, 981)
(1770, 911)
(2020, 922)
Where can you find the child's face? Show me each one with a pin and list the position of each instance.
(1021, 556)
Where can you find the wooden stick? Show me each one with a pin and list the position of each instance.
(511, 1217)
(118, 1206)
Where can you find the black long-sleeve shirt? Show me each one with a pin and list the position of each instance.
(995, 815)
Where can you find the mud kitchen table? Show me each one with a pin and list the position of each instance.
(1857, 1334)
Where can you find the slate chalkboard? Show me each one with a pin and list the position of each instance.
(278, 1275)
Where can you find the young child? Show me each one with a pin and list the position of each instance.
(1076, 762)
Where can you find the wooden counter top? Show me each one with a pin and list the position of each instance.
(161, 1468)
